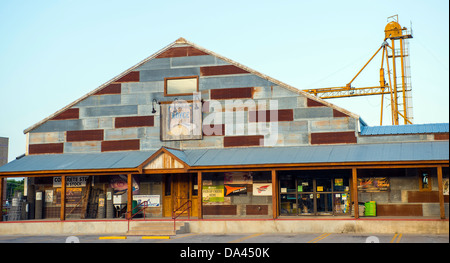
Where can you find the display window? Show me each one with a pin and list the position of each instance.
(314, 193)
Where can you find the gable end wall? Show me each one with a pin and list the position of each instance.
(119, 116)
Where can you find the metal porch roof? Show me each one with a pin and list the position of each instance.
(418, 151)
(405, 129)
(94, 161)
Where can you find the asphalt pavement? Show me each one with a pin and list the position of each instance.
(261, 238)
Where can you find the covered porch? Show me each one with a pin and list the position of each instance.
(283, 183)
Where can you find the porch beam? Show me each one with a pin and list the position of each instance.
(200, 195)
(274, 194)
(62, 215)
(130, 196)
(441, 192)
(355, 192)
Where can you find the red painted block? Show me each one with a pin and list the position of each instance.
(181, 52)
(86, 135)
(313, 103)
(251, 140)
(234, 93)
(221, 70)
(441, 136)
(48, 148)
(122, 145)
(333, 137)
(69, 114)
(140, 121)
(338, 114)
(283, 115)
(115, 88)
(220, 210)
(133, 76)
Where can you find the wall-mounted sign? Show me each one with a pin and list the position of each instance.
(71, 181)
(235, 190)
(181, 120)
(213, 194)
(264, 189)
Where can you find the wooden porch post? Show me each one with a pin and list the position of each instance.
(274, 194)
(441, 192)
(62, 215)
(199, 194)
(130, 196)
(355, 192)
(1, 198)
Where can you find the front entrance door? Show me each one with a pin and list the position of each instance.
(181, 195)
(178, 189)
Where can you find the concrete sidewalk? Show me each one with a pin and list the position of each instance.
(235, 226)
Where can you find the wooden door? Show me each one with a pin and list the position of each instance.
(181, 193)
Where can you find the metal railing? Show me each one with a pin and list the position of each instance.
(174, 213)
(144, 206)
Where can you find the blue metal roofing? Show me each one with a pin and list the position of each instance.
(348, 153)
(416, 151)
(56, 162)
(405, 129)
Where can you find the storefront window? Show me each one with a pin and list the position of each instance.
(314, 192)
(323, 185)
(243, 194)
(288, 204)
(305, 185)
(306, 204)
(324, 204)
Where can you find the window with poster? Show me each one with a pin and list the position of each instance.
(424, 180)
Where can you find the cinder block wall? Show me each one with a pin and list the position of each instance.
(119, 117)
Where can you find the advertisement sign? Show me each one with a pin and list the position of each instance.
(71, 181)
(373, 184)
(119, 183)
(73, 195)
(181, 120)
(213, 193)
(264, 189)
(152, 200)
(235, 190)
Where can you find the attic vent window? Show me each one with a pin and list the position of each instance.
(180, 86)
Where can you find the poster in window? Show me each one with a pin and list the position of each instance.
(373, 184)
(73, 195)
(181, 120)
(119, 183)
(445, 185)
(148, 200)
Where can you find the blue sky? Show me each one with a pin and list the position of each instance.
(54, 52)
